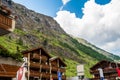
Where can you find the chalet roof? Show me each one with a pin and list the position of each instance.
(104, 63)
(34, 49)
(7, 70)
(55, 58)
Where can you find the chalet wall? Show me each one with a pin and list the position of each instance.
(10, 61)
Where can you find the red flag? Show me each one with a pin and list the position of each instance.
(118, 71)
(20, 73)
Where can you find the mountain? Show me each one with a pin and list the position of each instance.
(101, 51)
(35, 29)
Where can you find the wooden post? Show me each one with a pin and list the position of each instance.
(50, 70)
(28, 66)
(58, 62)
(40, 64)
(40, 56)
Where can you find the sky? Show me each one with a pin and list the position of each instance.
(97, 21)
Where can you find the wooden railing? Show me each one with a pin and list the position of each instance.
(37, 65)
(110, 70)
(109, 74)
(46, 67)
(34, 65)
(10, 68)
(8, 74)
(56, 69)
(55, 76)
(38, 57)
(107, 78)
(7, 23)
(38, 74)
(45, 75)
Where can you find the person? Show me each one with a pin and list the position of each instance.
(101, 73)
(59, 74)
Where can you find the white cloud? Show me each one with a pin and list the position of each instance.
(65, 19)
(113, 46)
(65, 1)
(99, 25)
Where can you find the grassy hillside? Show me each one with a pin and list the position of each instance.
(72, 52)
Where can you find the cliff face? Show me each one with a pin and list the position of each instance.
(35, 29)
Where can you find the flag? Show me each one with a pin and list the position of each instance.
(59, 75)
(118, 71)
(21, 72)
(101, 73)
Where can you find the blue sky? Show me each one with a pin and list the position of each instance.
(75, 6)
(50, 7)
(102, 2)
(96, 21)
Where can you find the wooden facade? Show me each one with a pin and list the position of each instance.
(7, 19)
(109, 70)
(56, 64)
(42, 66)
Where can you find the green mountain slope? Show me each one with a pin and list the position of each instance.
(86, 43)
(34, 30)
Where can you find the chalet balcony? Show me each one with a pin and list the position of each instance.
(7, 25)
(108, 70)
(8, 70)
(109, 73)
(38, 74)
(54, 76)
(6, 74)
(56, 69)
(108, 78)
(37, 65)
(38, 57)
(46, 75)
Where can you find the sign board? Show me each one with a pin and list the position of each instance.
(80, 70)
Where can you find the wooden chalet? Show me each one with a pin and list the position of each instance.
(7, 19)
(39, 65)
(109, 70)
(8, 68)
(8, 72)
(56, 64)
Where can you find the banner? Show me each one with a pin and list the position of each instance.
(118, 71)
(59, 75)
(21, 72)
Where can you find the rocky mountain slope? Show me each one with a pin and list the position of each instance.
(35, 29)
